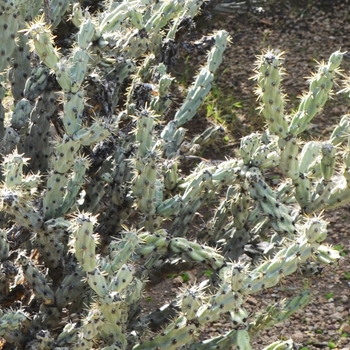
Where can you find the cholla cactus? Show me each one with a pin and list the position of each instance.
(95, 190)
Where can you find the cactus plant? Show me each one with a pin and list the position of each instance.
(96, 188)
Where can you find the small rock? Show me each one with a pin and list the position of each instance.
(337, 316)
(345, 328)
(298, 337)
(344, 298)
(251, 300)
(178, 281)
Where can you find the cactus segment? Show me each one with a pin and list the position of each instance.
(170, 174)
(36, 281)
(308, 156)
(203, 83)
(161, 101)
(21, 114)
(13, 169)
(58, 9)
(36, 83)
(120, 252)
(259, 190)
(195, 97)
(73, 107)
(327, 255)
(281, 345)
(122, 279)
(62, 72)
(321, 84)
(146, 186)
(77, 16)
(87, 33)
(279, 312)
(268, 76)
(144, 131)
(112, 19)
(20, 67)
(341, 131)
(240, 209)
(83, 243)
(4, 245)
(11, 321)
(197, 252)
(10, 25)
(97, 281)
(91, 135)
(321, 196)
(284, 263)
(91, 327)
(289, 158)
(39, 132)
(115, 312)
(53, 199)
(327, 161)
(71, 288)
(74, 185)
(233, 273)
(176, 334)
(302, 190)
(167, 11)
(315, 230)
(215, 55)
(78, 71)
(41, 40)
(50, 241)
(249, 145)
(209, 136)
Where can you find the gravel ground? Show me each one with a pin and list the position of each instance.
(305, 31)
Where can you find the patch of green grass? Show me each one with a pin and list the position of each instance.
(329, 295)
(347, 275)
(331, 345)
(304, 348)
(148, 299)
(319, 331)
(208, 273)
(340, 249)
(344, 335)
(185, 277)
(220, 106)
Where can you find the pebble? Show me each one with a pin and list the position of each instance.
(251, 300)
(298, 337)
(337, 316)
(345, 328)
